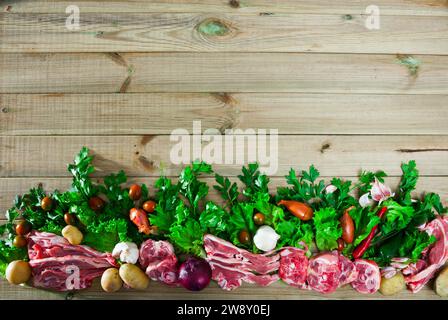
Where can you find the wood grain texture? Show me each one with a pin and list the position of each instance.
(161, 113)
(27, 156)
(157, 291)
(10, 187)
(387, 7)
(219, 72)
(184, 32)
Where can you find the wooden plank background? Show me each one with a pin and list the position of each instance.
(338, 93)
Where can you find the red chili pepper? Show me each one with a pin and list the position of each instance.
(364, 245)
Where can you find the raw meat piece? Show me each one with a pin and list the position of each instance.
(230, 277)
(324, 272)
(259, 263)
(436, 257)
(159, 260)
(388, 272)
(414, 268)
(293, 266)
(232, 265)
(348, 271)
(369, 276)
(58, 265)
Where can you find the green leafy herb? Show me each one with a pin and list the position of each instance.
(81, 169)
(241, 219)
(328, 229)
(229, 191)
(304, 187)
(254, 182)
(188, 237)
(105, 235)
(8, 254)
(364, 221)
(408, 182)
(367, 178)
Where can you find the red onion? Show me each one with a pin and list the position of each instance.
(195, 274)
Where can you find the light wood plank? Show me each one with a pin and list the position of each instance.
(402, 7)
(102, 114)
(10, 187)
(219, 72)
(148, 155)
(157, 291)
(241, 33)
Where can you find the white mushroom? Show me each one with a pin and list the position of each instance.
(127, 252)
(266, 238)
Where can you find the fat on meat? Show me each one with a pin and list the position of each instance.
(324, 272)
(293, 267)
(159, 261)
(348, 271)
(58, 265)
(231, 266)
(369, 276)
(223, 250)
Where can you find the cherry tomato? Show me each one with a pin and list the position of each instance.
(135, 192)
(341, 244)
(149, 206)
(46, 203)
(19, 242)
(23, 228)
(259, 219)
(244, 237)
(69, 218)
(96, 203)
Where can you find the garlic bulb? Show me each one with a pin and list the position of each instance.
(365, 201)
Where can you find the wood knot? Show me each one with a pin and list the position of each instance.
(146, 139)
(347, 17)
(234, 3)
(224, 97)
(325, 147)
(147, 164)
(411, 63)
(213, 27)
(5, 110)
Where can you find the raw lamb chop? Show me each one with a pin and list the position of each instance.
(58, 265)
(159, 260)
(232, 265)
